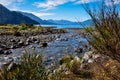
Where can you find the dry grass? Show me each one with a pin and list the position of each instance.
(107, 27)
(14, 29)
(106, 40)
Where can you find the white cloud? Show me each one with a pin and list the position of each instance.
(9, 2)
(6, 2)
(86, 1)
(39, 14)
(50, 4)
(108, 2)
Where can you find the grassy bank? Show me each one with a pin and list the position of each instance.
(18, 29)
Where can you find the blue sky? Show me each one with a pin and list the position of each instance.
(54, 9)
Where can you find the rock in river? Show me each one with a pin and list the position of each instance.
(7, 52)
(21, 43)
(43, 44)
(78, 50)
(1, 51)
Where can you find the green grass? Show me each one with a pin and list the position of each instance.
(18, 30)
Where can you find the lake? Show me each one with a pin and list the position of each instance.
(64, 26)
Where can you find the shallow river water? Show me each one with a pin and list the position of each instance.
(63, 44)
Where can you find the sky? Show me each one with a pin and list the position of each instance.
(55, 9)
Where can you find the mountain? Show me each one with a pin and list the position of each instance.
(55, 22)
(88, 22)
(67, 22)
(63, 22)
(33, 17)
(13, 17)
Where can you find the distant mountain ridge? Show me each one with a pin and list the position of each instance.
(33, 17)
(57, 22)
(63, 22)
(13, 17)
(16, 17)
(88, 22)
(67, 22)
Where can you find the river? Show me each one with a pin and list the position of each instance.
(64, 43)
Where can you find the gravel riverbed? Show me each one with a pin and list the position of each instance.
(52, 45)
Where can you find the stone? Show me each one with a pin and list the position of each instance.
(7, 52)
(1, 51)
(11, 66)
(3, 46)
(84, 66)
(76, 58)
(8, 59)
(58, 36)
(12, 46)
(21, 43)
(62, 39)
(43, 44)
(87, 55)
(36, 41)
(58, 39)
(78, 50)
(95, 56)
(90, 60)
(12, 40)
(27, 43)
(52, 58)
(28, 40)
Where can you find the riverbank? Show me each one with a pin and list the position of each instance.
(24, 37)
(52, 43)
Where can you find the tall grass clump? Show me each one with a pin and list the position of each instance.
(106, 36)
(30, 68)
(16, 31)
(105, 39)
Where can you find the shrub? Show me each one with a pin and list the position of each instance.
(16, 31)
(30, 68)
(75, 66)
(66, 59)
(39, 27)
(106, 38)
(89, 29)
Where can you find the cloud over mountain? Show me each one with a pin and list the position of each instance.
(9, 2)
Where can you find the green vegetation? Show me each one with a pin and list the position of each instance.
(89, 29)
(17, 30)
(31, 67)
(106, 39)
